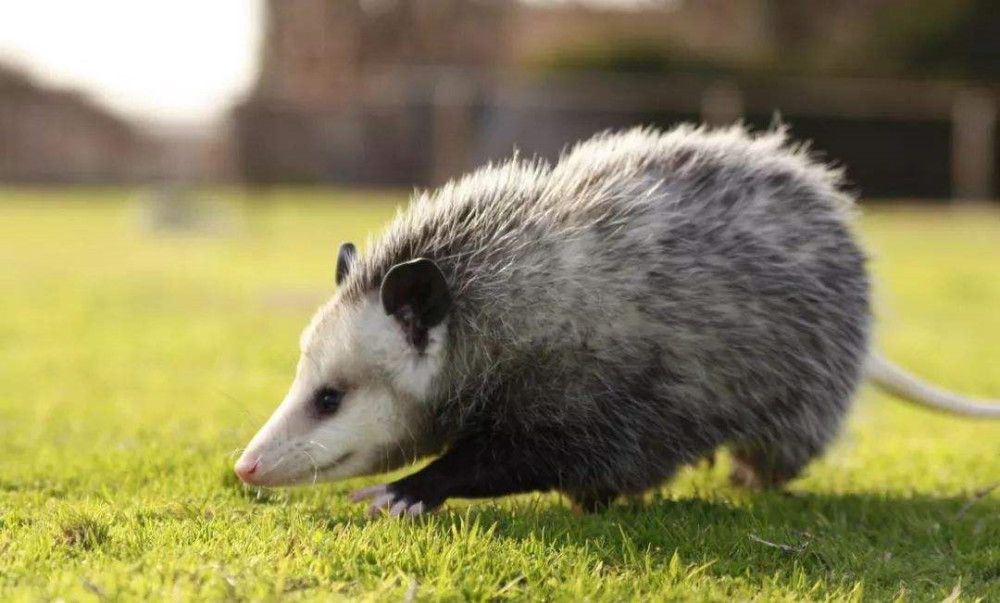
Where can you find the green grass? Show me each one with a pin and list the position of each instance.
(132, 365)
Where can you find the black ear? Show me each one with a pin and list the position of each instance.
(345, 256)
(416, 294)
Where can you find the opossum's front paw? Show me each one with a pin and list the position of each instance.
(388, 497)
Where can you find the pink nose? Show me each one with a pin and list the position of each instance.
(246, 469)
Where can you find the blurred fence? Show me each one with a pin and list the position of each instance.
(927, 139)
(897, 138)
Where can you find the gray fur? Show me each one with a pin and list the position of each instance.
(650, 297)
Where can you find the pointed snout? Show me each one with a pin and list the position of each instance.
(246, 468)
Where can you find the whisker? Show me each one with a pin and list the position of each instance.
(314, 465)
(408, 458)
(281, 460)
(315, 443)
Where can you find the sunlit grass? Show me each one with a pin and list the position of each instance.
(132, 365)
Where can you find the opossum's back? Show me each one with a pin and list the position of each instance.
(737, 248)
(704, 202)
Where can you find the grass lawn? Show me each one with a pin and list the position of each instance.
(131, 366)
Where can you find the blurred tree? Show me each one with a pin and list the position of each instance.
(963, 44)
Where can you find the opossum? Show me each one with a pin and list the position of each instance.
(591, 326)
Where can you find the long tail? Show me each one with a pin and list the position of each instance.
(901, 384)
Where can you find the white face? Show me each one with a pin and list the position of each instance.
(357, 405)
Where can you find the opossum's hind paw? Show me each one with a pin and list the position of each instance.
(384, 499)
(762, 472)
(744, 476)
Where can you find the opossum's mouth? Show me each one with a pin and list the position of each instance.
(338, 461)
(315, 470)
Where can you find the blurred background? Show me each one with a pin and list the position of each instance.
(176, 176)
(411, 92)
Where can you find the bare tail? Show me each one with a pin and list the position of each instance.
(894, 380)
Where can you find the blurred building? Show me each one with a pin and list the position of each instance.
(61, 136)
(415, 91)
(381, 90)
(346, 88)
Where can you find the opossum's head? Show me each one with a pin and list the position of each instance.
(360, 400)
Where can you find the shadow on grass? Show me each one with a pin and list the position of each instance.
(919, 545)
(925, 543)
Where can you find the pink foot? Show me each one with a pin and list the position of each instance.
(383, 499)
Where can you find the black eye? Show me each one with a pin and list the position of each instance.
(327, 401)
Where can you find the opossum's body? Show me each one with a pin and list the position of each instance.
(604, 321)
